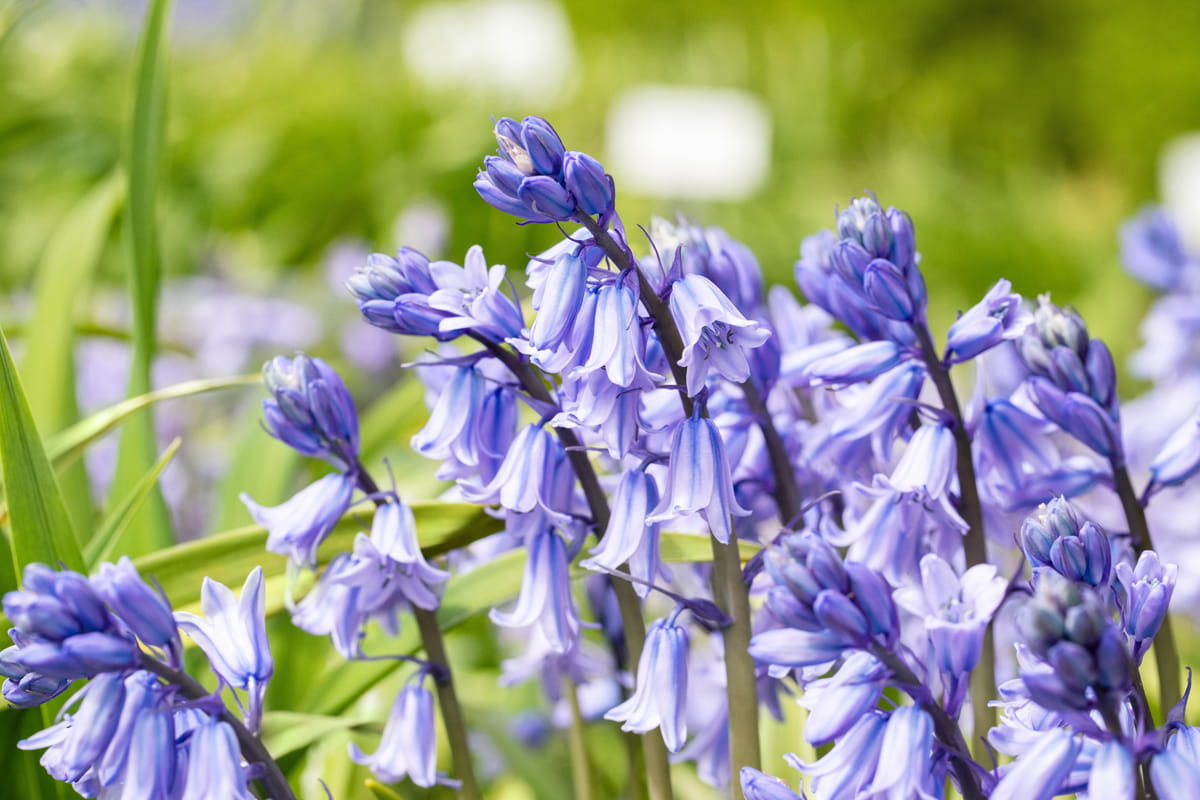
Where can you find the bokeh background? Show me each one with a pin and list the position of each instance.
(303, 134)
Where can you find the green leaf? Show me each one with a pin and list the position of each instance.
(24, 776)
(287, 732)
(381, 792)
(63, 277)
(38, 520)
(99, 547)
(149, 529)
(65, 447)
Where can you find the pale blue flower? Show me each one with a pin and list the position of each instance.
(660, 698)
(408, 746)
(232, 633)
(297, 527)
(214, 764)
(716, 335)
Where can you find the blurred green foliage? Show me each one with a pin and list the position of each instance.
(1017, 135)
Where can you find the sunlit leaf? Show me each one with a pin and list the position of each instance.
(99, 547)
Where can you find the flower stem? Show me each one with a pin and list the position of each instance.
(1166, 653)
(581, 770)
(983, 677)
(732, 594)
(435, 650)
(252, 748)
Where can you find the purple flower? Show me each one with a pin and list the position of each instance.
(297, 527)
(1179, 458)
(1041, 772)
(545, 596)
(660, 697)
(1113, 773)
(586, 180)
(716, 336)
(855, 364)
(618, 343)
(472, 299)
(849, 767)
(214, 764)
(393, 294)
(1175, 772)
(757, 785)
(522, 481)
(1055, 537)
(998, 317)
(310, 410)
(233, 634)
(698, 478)
(408, 746)
(628, 532)
(835, 704)
(1153, 251)
(1144, 594)
(144, 610)
(561, 298)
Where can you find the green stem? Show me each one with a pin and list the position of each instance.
(435, 651)
(733, 596)
(252, 748)
(581, 769)
(983, 678)
(1166, 653)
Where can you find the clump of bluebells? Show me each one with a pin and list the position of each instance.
(962, 590)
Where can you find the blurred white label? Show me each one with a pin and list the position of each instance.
(521, 49)
(1179, 179)
(700, 143)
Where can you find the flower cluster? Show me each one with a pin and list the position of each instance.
(140, 726)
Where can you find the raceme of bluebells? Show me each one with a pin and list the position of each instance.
(139, 726)
(624, 397)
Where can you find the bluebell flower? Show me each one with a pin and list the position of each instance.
(521, 482)
(628, 532)
(408, 746)
(78, 741)
(310, 410)
(1041, 772)
(150, 769)
(660, 698)
(1179, 457)
(561, 297)
(545, 597)
(233, 634)
(145, 611)
(618, 343)
(835, 704)
(594, 402)
(856, 364)
(473, 300)
(1113, 773)
(713, 254)
(824, 286)
(393, 294)
(584, 177)
(1144, 595)
(716, 335)
(881, 409)
(758, 785)
(472, 421)
(698, 478)
(998, 317)
(214, 764)
(1153, 251)
(297, 527)
(847, 770)
(1055, 537)
(1083, 660)
(1175, 771)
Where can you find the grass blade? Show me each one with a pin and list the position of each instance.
(100, 547)
(38, 520)
(150, 528)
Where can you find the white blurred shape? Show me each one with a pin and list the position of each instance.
(521, 49)
(685, 142)
(1179, 179)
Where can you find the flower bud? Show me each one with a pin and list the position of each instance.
(585, 178)
(547, 198)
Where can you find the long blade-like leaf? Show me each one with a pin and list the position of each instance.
(150, 528)
(38, 520)
(64, 448)
(100, 546)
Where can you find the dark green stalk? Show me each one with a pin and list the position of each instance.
(1166, 653)
(252, 748)
(732, 593)
(658, 768)
(435, 651)
(983, 678)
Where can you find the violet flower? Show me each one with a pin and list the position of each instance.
(660, 697)
(716, 336)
